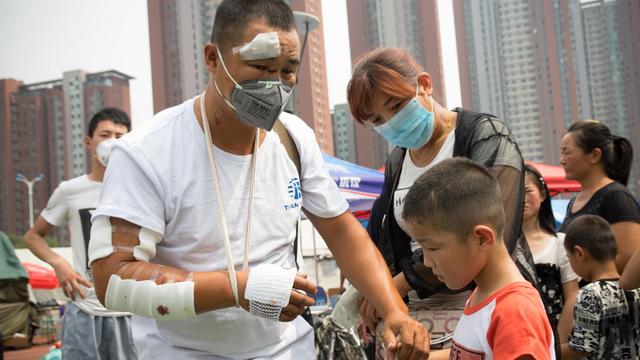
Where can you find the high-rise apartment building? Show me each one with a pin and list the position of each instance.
(521, 60)
(311, 97)
(611, 34)
(541, 65)
(8, 195)
(344, 133)
(409, 24)
(178, 31)
(43, 127)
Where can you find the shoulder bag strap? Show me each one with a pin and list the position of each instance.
(292, 151)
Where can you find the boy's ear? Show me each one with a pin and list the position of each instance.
(580, 252)
(87, 142)
(484, 236)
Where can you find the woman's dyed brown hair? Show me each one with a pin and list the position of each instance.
(389, 71)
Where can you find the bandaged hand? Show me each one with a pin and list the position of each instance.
(277, 294)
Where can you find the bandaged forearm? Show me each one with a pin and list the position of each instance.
(137, 286)
(268, 290)
(169, 301)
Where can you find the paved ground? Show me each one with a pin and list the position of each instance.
(38, 350)
(33, 353)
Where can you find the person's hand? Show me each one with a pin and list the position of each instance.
(368, 313)
(69, 279)
(365, 335)
(404, 337)
(299, 299)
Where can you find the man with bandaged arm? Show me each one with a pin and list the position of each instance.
(196, 224)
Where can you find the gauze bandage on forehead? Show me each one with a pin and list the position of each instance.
(263, 46)
(268, 290)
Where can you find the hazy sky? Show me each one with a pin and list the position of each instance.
(42, 38)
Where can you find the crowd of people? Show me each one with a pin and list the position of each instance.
(184, 233)
(391, 93)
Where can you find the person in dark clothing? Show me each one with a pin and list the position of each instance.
(390, 92)
(601, 162)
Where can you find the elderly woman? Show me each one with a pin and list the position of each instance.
(391, 93)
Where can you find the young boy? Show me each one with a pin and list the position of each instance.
(454, 211)
(605, 316)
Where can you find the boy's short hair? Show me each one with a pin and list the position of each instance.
(454, 196)
(112, 114)
(594, 234)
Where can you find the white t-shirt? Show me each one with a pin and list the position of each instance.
(159, 178)
(411, 172)
(72, 203)
(554, 253)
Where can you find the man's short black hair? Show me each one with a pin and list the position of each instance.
(593, 233)
(454, 196)
(111, 113)
(233, 17)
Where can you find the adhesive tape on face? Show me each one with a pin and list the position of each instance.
(263, 46)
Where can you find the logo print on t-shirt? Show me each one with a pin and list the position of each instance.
(294, 188)
(462, 353)
(295, 192)
(85, 221)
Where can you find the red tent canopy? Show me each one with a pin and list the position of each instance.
(40, 277)
(554, 177)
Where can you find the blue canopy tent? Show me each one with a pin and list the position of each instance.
(359, 185)
(559, 208)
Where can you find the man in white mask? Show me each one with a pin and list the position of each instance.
(196, 225)
(90, 331)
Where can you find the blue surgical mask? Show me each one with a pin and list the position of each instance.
(411, 127)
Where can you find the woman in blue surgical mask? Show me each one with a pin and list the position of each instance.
(390, 93)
